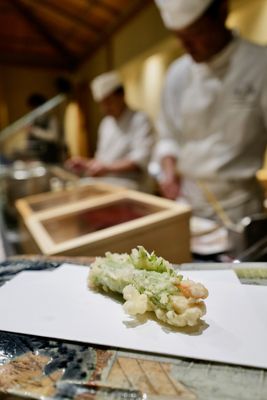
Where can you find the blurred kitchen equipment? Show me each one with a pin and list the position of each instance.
(257, 252)
(249, 238)
(27, 178)
(242, 235)
(23, 179)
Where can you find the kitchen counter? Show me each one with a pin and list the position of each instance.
(35, 368)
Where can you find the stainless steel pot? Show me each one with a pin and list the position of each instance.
(24, 179)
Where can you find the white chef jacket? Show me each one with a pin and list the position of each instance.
(130, 137)
(213, 118)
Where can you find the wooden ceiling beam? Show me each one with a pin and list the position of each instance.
(38, 25)
(138, 6)
(64, 57)
(111, 10)
(71, 17)
(32, 61)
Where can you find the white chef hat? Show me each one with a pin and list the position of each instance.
(178, 14)
(105, 84)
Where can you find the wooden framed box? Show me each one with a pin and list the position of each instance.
(116, 222)
(48, 201)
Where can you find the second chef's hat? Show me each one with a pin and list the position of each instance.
(105, 84)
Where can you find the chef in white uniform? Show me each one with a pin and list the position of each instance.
(125, 137)
(212, 125)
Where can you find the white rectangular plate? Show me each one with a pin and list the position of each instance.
(60, 305)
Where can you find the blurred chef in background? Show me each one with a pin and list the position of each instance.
(43, 141)
(125, 138)
(212, 125)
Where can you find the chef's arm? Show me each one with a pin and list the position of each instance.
(49, 134)
(95, 167)
(123, 166)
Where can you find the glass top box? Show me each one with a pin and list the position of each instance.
(44, 202)
(115, 222)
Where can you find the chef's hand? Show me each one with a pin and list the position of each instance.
(96, 168)
(169, 181)
(170, 187)
(77, 165)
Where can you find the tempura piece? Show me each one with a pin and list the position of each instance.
(150, 283)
